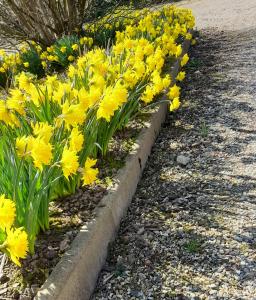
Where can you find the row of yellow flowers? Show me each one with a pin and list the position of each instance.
(52, 131)
(32, 57)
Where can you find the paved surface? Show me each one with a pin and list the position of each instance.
(223, 14)
(190, 232)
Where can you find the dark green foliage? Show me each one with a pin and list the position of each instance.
(67, 42)
(35, 63)
(3, 79)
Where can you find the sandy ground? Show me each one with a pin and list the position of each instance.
(223, 14)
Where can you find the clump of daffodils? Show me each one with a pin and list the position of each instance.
(13, 241)
(54, 130)
(37, 60)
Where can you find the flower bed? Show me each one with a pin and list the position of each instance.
(33, 58)
(67, 215)
(54, 131)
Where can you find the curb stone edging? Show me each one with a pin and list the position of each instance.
(75, 276)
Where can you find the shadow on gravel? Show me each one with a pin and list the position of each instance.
(189, 232)
(214, 200)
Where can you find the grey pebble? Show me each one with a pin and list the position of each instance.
(183, 160)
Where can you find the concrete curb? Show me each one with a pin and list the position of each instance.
(75, 276)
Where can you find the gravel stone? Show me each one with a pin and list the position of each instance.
(24, 297)
(199, 221)
(64, 244)
(183, 160)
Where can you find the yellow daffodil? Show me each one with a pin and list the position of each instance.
(7, 116)
(16, 101)
(42, 130)
(24, 81)
(75, 47)
(89, 173)
(69, 162)
(50, 49)
(17, 244)
(76, 140)
(193, 42)
(44, 64)
(51, 57)
(114, 97)
(175, 104)
(188, 36)
(71, 58)
(41, 153)
(7, 212)
(184, 60)
(181, 76)
(178, 51)
(167, 81)
(73, 114)
(148, 94)
(63, 49)
(24, 145)
(82, 41)
(72, 71)
(174, 92)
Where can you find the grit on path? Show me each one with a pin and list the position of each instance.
(223, 14)
(190, 232)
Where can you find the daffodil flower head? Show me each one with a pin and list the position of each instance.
(7, 213)
(76, 140)
(24, 145)
(184, 60)
(63, 49)
(69, 162)
(23, 81)
(178, 51)
(73, 114)
(175, 104)
(148, 94)
(75, 47)
(181, 75)
(42, 130)
(71, 58)
(16, 244)
(174, 92)
(16, 101)
(41, 153)
(89, 173)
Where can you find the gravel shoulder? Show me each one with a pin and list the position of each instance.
(223, 14)
(190, 230)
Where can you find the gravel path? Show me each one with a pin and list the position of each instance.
(223, 14)
(190, 231)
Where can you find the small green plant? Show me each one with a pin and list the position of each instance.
(194, 63)
(66, 49)
(31, 61)
(120, 269)
(193, 246)
(204, 130)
